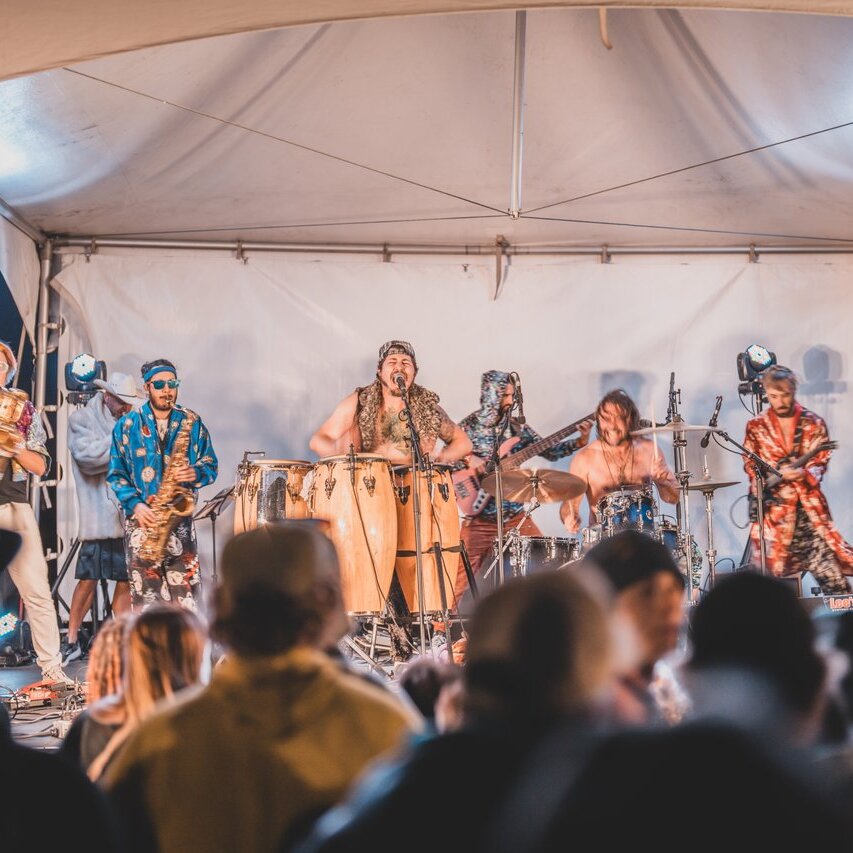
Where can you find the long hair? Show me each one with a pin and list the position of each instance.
(104, 672)
(164, 653)
(619, 398)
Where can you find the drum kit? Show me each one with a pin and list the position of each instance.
(631, 506)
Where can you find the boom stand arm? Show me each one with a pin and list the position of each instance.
(417, 467)
(758, 486)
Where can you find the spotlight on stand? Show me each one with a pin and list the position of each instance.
(80, 376)
(751, 363)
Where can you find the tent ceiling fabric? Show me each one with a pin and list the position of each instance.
(399, 131)
(51, 33)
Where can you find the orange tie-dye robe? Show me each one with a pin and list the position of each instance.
(764, 438)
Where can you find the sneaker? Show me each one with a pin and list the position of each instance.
(71, 651)
(57, 675)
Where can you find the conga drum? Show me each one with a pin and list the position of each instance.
(269, 490)
(355, 494)
(439, 524)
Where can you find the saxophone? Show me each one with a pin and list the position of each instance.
(173, 500)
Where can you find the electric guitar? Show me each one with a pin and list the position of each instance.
(471, 497)
(800, 461)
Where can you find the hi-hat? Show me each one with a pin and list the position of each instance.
(710, 485)
(547, 485)
(675, 426)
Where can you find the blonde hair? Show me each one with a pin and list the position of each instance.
(777, 376)
(164, 653)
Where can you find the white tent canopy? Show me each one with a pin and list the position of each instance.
(698, 128)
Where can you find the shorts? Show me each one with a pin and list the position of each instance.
(101, 559)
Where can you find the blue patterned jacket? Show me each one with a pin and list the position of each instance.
(137, 464)
(479, 427)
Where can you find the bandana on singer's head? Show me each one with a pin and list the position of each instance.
(390, 347)
(156, 368)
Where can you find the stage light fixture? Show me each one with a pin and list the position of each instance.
(753, 361)
(80, 375)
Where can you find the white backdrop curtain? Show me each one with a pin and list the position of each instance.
(267, 348)
(19, 264)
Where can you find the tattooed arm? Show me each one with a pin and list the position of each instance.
(456, 442)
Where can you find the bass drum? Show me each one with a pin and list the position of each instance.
(531, 554)
(632, 507)
(355, 494)
(439, 524)
(667, 533)
(269, 490)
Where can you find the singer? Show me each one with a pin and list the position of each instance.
(799, 534)
(499, 393)
(616, 459)
(370, 419)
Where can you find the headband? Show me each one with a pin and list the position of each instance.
(158, 368)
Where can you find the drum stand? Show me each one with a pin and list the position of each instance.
(679, 445)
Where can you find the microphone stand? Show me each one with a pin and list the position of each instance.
(760, 466)
(497, 431)
(417, 467)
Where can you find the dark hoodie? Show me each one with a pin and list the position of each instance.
(479, 426)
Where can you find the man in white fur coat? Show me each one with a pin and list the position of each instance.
(100, 519)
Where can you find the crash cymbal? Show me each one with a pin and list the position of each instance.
(547, 485)
(675, 426)
(710, 485)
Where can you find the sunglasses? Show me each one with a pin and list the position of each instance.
(160, 384)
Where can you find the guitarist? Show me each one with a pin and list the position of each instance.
(497, 398)
(799, 534)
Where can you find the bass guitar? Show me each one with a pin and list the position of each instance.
(471, 497)
(801, 461)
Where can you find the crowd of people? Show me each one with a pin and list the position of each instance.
(582, 689)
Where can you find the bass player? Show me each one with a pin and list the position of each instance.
(489, 427)
(799, 534)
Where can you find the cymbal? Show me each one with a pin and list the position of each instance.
(547, 485)
(709, 485)
(675, 426)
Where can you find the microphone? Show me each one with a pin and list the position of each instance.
(712, 423)
(400, 380)
(516, 381)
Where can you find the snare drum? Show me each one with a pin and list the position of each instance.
(269, 490)
(531, 554)
(439, 524)
(356, 495)
(631, 507)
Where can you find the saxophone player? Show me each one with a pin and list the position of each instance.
(161, 455)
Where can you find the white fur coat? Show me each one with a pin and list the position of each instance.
(90, 435)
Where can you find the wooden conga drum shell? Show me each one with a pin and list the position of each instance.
(271, 490)
(439, 523)
(355, 494)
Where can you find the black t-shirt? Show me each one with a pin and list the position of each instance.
(11, 491)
